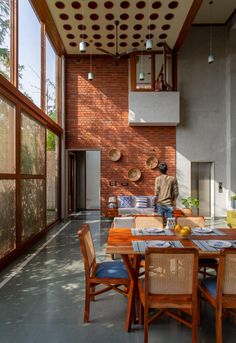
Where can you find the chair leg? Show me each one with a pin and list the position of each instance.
(219, 325)
(140, 312)
(146, 324)
(87, 304)
(194, 324)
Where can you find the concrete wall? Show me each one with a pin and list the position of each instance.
(154, 108)
(207, 124)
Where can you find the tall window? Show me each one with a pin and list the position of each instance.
(52, 177)
(5, 38)
(7, 185)
(29, 67)
(51, 81)
(33, 178)
(7, 137)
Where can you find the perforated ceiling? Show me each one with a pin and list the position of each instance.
(94, 23)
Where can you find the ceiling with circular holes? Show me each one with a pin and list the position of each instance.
(94, 23)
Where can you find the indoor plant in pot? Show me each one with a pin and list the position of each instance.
(189, 203)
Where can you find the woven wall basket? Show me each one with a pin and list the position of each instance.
(114, 155)
(152, 162)
(134, 174)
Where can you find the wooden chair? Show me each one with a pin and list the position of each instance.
(170, 283)
(220, 291)
(191, 221)
(148, 221)
(204, 263)
(112, 274)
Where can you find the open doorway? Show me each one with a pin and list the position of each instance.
(83, 180)
(202, 187)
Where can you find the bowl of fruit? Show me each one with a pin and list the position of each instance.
(183, 232)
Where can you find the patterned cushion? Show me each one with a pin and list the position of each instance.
(141, 201)
(125, 201)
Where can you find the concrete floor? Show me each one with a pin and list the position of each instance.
(42, 297)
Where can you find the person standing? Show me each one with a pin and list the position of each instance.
(166, 191)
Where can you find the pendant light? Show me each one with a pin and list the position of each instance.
(149, 41)
(210, 56)
(141, 73)
(82, 45)
(90, 73)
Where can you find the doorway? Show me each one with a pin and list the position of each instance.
(201, 187)
(83, 180)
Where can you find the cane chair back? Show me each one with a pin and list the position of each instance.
(170, 283)
(220, 292)
(192, 221)
(148, 221)
(111, 274)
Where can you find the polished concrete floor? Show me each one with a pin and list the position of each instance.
(42, 297)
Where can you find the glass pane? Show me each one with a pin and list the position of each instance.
(52, 177)
(5, 38)
(143, 72)
(8, 216)
(7, 136)
(33, 207)
(32, 146)
(51, 81)
(29, 67)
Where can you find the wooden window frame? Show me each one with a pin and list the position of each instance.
(166, 50)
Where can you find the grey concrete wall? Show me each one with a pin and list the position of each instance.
(207, 110)
(154, 108)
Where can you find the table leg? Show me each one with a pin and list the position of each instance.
(133, 271)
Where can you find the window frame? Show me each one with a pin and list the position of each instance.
(133, 70)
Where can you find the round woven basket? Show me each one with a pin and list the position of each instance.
(134, 174)
(152, 162)
(114, 155)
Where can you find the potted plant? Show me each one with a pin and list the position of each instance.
(189, 203)
(233, 201)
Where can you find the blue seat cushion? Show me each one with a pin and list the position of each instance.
(210, 284)
(113, 269)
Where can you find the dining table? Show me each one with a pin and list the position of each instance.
(130, 243)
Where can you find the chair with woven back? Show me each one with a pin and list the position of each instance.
(220, 291)
(111, 274)
(148, 221)
(199, 221)
(170, 283)
(192, 221)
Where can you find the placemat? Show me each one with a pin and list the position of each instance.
(214, 232)
(140, 246)
(203, 245)
(143, 232)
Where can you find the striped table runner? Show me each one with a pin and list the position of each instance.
(144, 232)
(140, 246)
(204, 246)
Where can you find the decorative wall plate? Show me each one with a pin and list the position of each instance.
(134, 174)
(114, 155)
(152, 162)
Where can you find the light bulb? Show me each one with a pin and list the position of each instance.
(82, 47)
(148, 44)
(90, 76)
(210, 59)
(141, 76)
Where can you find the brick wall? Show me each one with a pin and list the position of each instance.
(97, 118)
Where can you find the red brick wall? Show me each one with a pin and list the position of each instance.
(97, 118)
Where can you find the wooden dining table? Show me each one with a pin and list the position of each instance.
(120, 242)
